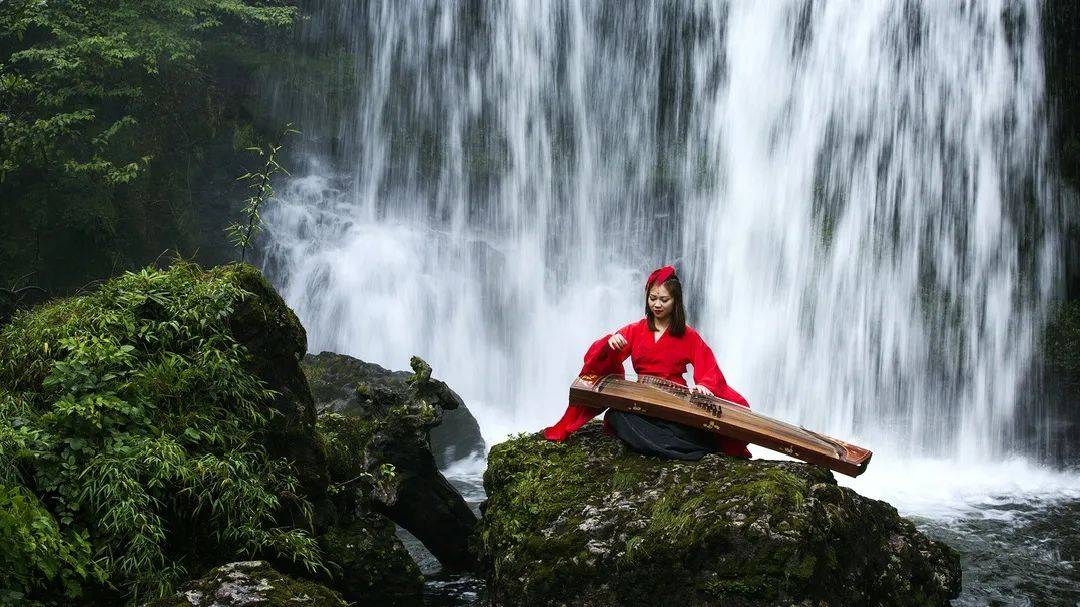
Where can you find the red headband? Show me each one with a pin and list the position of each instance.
(659, 276)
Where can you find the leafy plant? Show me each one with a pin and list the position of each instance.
(261, 188)
(117, 123)
(130, 443)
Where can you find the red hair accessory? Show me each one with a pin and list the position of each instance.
(659, 276)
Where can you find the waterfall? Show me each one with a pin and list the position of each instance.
(856, 195)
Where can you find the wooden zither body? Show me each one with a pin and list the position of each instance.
(664, 399)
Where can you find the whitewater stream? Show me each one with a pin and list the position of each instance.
(858, 196)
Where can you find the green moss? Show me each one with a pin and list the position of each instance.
(136, 415)
(256, 581)
(370, 565)
(567, 515)
(758, 588)
(346, 438)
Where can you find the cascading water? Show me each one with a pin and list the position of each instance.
(856, 195)
(854, 192)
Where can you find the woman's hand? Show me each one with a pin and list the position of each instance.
(616, 341)
(700, 389)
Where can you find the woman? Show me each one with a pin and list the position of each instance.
(660, 344)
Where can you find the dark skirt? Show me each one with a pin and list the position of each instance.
(660, 437)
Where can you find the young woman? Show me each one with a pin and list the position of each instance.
(660, 344)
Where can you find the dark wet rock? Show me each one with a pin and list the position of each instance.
(588, 522)
(1049, 420)
(369, 564)
(276, 341)
(454, 433)
(250, 584)
(456, 438)
(378, 450)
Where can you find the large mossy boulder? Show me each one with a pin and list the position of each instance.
(250, 584)
(151, 429)
(590, 523)
(377, 424)
(161, 426)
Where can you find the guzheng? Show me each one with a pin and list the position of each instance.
(664, 399)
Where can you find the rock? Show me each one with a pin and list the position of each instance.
(369, 564)
(250, 584)
(454, 434)
(588, 522)
(386, 417)
(456, 438)
(382, 462)
(13, 300)
(276, 341)
(186, 430)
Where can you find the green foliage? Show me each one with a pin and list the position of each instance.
(347, 439)
(130, 441)
(259, 184)
(113, 117)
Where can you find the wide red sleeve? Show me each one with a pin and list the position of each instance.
(707, 373)
(600, 359)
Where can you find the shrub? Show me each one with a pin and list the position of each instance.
(130, 453)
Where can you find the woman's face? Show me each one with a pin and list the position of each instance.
(661, 302)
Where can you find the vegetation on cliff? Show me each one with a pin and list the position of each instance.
(131, 449)
(123, 128)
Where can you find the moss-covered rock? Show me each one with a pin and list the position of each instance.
(276, 343)
(369, 564)
(379, 452)
(348, 385)
(163, 420)
(161, 426)
(250, 584)
(588, 522)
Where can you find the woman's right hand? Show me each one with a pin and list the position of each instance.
(616, 341)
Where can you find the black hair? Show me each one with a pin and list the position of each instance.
(677, 324)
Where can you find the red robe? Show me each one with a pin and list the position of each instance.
(667, 358)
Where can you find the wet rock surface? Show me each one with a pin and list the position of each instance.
(250, 584)
(587, 522)
(454, 433)
(379, 421)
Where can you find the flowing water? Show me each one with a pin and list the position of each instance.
(857, 197)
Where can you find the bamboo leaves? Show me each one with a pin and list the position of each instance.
(139, 425)
(262, 190)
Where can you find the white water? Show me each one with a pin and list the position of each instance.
(845, 188)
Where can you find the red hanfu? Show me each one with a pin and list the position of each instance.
(665, 357)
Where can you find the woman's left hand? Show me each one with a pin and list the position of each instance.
(702, 390)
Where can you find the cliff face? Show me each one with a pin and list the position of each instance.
(587, 522)
(1061, 45)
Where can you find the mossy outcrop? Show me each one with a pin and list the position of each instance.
(250, 584)
(453, 431)
(379, 452)
(590, 523)
(161, 426)
(368, 562)
(152, 421)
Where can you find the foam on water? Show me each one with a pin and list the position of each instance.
(945, 491)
